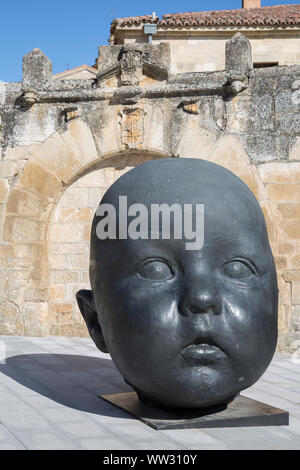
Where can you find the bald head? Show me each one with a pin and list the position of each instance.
(200, 320)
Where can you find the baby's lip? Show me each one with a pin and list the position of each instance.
(202, 351)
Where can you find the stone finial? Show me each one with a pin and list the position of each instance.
(37, 68)
(238, 54)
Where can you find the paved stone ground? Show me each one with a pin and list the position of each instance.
(49, 389)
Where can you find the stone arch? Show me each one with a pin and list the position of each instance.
(55, 165)
(65, 157)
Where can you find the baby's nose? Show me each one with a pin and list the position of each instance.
(201, 298)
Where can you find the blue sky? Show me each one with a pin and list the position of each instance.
(69, 31)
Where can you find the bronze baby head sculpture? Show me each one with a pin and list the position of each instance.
(187, 328)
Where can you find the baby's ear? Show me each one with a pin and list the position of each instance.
(86, 304)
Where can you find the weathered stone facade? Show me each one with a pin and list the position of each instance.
(63, 142)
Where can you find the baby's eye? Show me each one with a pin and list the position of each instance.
(237, 270)
(155, 269)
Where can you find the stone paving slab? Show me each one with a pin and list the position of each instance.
(49, 391)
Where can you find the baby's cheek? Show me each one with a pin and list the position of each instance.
(240, 315)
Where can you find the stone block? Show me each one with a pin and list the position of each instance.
(37, 68)
(79, 140)
(296, 293)
(261, 84)
(18, 229)
(36, 295)
(10, 168)
(6, 251)
(294, 153)
(67, 330)
(289, 123)
(38, 180)
(30, 251)
(77, 262)
(290, 210)
(58, 262)
(74, 198)
(289, 229)
(61, 277)
(154, 122)
(94, 179)
(279, 172)
(75, 215)
(203, 137)
(57, 292)
(94, 197)
(35, 319)
(238, 115)
(286, 248)
(105, 126)
(296, 262)
(66, 233)
(108, 57)
(8, 317)
(292, 275)
(263, 147)
(69, 248)
(284, 102)
(262, 113)
(57, 158)
(61, 312)
(19, 153)
(25, 203)
(284, 192)
(238, 54)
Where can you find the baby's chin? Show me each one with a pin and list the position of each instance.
(200, 388)
(187, 400)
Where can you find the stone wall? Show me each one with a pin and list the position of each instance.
(63, 142)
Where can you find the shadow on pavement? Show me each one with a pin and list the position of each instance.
(71, 380)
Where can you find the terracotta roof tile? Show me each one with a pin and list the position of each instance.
(133, 20)
(277, 15)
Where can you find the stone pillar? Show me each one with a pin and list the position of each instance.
(238, 53)
(37, 68)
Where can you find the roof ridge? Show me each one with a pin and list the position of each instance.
(232, 10)
(270, 15)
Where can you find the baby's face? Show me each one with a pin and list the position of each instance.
(191, 328)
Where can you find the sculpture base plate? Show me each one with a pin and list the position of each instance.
(242, 411)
